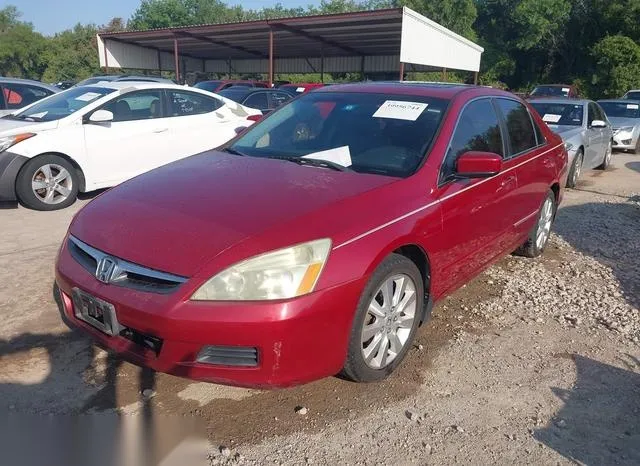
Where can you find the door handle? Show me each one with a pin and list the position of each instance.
(507, 183)
(160, 130)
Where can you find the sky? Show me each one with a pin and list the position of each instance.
(51, 16)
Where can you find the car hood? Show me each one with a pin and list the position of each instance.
(179, 217)
(565, 131)
(9, 127)
(621, 122)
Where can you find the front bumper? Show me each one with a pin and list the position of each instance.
(297, 340)
(626, 143)
(10, 165)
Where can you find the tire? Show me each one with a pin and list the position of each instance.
(381, 323)
(576, 168)
(637, 149)
(57, 177)
(532, 247)
(607, 158)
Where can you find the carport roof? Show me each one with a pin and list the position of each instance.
(366, 33)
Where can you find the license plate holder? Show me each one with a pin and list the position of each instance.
(96, 312)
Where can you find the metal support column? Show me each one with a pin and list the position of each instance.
(270, 57)
(322, 65)
(444, 74)
(475, 78)
(106, 59)
(401, 71)
(176, 59)
(159, 62)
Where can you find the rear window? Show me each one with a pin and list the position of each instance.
(633, 95)
(210, 86)
(553, 91)
(559, 113)
(369, 133)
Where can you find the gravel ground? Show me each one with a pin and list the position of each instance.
(534, 362)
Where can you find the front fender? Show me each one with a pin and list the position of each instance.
(10, 165)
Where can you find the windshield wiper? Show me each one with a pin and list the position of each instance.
(312, 162)
(229, 150)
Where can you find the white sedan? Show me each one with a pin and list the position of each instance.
(93, 137)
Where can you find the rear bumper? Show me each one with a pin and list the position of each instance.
(10, 165)
(297, 340)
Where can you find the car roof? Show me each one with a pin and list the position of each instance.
(430, 89)
(28, 81)
(621, 101)
(560, 100)
(119, 85)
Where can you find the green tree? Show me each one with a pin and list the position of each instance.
(617, 61)
(72, 54)
(21, 48)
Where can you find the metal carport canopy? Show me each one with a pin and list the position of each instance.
(367, 41)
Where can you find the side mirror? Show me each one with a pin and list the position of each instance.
(101, 116)
(598, 124)
(476, 164)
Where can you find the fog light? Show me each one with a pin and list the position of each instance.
(242, 356)
(626, 142)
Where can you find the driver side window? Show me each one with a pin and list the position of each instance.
(478, 129)
(140, 105)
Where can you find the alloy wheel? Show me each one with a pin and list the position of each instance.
(389, 320)
(544, 223)
(51, 183)
(576, 171)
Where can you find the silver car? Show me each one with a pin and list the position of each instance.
(624, 115)
(585, 130)
(18, 93)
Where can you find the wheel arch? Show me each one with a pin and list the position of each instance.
(420, 257)
(82, 181)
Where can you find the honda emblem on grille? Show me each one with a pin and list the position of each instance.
(106, 269)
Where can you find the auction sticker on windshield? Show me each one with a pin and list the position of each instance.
(633, 106)
(551, 118)
(400, 110)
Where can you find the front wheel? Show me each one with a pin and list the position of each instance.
(576, 167)
(539, 234)
(386, 320)
(47, 182)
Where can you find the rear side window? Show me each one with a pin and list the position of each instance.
(279, 98)
(520, 129)
(183, 103)
(20, 95)
(478, 129)
(257, 100)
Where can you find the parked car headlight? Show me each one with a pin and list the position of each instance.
(625, 133)
(285, 273)
(8, 141)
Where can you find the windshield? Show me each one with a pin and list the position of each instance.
(551, 91)
(560, 114)
(621, 109)
(369, 133)
(63, 104)
(633, 95)
(210, 86)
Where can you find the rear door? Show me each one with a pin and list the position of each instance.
(533, 163)
(278, 98)
(477, 213)
(258, 100)
(197, 123)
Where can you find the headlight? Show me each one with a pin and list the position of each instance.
(8, 141)
(625, 133)
(568, 146)
(285, 273)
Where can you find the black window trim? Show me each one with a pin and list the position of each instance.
(3, 104)
(442, 180)
(509, 155)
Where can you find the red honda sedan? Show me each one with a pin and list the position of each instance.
(318, 240)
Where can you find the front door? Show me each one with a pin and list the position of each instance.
(595, 139)
(477, 214)
(135, 141)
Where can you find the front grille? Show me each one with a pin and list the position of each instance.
(123, 273)
(243, 356)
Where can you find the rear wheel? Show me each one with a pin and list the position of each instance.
(386, 320)
(576, 167)
(539, 234)
(47, 182)
(607, 158)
